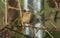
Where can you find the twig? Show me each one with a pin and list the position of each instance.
(49, 33)
(53, 24)
(5, 12)
(13, 8)
(20, 9)
(56, 3)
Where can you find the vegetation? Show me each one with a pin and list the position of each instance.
(49, 9)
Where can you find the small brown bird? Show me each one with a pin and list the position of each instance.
(26, 16)
(25, 19)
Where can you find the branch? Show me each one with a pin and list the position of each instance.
(56, 3)
(49, 33)
(5, 11)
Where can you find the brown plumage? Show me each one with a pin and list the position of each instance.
(26, 16)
